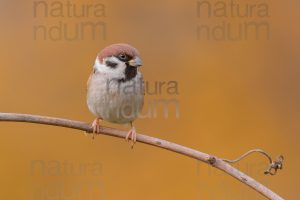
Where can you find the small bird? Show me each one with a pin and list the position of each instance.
(115, 88)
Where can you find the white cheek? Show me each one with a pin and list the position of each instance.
(117, 72)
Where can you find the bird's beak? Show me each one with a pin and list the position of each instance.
(135, 62)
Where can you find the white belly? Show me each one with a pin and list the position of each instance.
(117, 102)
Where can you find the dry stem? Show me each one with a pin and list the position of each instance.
(206, 158)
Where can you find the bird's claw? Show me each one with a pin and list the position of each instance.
(95, 127)
(131, 136)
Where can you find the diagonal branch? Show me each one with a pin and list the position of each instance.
(214, 161)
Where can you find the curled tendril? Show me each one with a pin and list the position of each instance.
(273, 165)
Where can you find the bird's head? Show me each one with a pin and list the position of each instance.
(118, 61)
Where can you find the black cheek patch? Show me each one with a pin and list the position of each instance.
(111, 64)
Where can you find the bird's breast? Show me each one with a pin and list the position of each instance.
(115, 101)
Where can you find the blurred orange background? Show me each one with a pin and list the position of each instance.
(233, 96)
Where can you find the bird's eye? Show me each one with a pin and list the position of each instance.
(123, 57)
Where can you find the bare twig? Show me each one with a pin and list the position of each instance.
(247, 154)
(206, 158)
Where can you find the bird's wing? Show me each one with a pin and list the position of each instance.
(143, 84)
(89, 80)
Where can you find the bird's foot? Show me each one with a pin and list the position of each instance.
(131, 136)
(96, 127)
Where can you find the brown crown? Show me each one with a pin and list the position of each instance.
(116, 49)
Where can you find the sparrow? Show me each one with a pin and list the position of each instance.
(115, 88)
